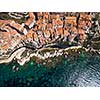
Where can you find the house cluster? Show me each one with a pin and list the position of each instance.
(47, 27)
(42, 28)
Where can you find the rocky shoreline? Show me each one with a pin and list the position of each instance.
(45, 55)
(16, 54)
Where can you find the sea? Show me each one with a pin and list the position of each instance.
(81, 71)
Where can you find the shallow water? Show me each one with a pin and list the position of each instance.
(82, 71)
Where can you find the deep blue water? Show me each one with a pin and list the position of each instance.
(82, 71)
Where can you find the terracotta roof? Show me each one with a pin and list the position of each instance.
(70, 20)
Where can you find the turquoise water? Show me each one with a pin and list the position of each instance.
(81, 71)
